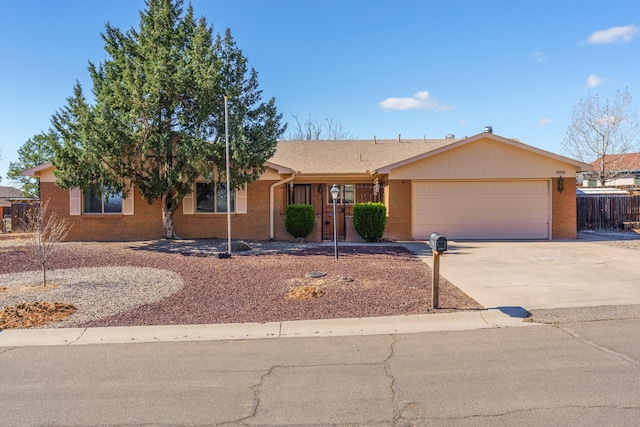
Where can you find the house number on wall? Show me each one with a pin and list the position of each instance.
(559, 172)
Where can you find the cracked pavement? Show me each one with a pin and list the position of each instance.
(585, 373)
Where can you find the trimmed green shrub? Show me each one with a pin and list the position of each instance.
(369, 220)
(299, 220)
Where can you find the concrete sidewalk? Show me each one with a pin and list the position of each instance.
(467, 320)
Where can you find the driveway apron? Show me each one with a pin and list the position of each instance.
(539, 274)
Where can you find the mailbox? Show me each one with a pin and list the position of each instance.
(437, 242)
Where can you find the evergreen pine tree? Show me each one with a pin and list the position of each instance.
(157, 120)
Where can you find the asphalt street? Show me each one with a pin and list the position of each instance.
(577, 363)
(581, 373)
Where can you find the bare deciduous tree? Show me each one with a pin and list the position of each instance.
(314, 130)
(45, 232)
(603, 132)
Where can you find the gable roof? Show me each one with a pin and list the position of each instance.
(619, 162)
(32, 171)
(512, 142)
(379, 156)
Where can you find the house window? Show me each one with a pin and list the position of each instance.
(213, 198)
(347, 194)
(98, 200)
(300, 194)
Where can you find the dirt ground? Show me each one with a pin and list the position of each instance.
(257, 286)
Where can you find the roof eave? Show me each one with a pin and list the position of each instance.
(582, 167)
(283, 170)
(32, 171)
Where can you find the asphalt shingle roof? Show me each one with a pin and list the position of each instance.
(350, 156)
(619, 162)
(9, 192)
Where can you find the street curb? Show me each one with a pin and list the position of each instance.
(460, 321)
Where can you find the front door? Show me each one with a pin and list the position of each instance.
(328, 217)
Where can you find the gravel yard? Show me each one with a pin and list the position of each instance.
(164, 282)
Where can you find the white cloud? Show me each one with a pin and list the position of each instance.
(540, 57)
(544, 121)
(594, 80)
(420, 101)
(614, 35)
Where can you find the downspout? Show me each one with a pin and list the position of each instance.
(272, 204)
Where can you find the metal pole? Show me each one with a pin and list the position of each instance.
(226, 131)
(335, 229)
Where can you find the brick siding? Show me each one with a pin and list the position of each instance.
(146, 224)
(253, 225)
(398, 210)
(564, 215)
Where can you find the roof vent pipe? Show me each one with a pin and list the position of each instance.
(399, 138)
(488, 129)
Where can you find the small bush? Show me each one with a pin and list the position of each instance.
(369, 220)
(299, 220)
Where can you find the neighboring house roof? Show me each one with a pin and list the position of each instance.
(600, 191)
(619, 163)
(10, 193)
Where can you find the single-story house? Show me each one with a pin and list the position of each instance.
(481, 187)
(7, 196)
(12, 206)
(623, 170)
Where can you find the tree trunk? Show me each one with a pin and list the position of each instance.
(44, 275)
(168, 223)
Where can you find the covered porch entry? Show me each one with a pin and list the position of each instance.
(318, 195)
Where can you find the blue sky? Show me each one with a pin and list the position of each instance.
(383, 68)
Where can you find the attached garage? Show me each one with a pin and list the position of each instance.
(485, 187)
(481, 209)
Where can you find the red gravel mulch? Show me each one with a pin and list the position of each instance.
(365, 281)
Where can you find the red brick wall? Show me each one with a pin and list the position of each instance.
(146, 224)
(398, 210)
(564, 214)
(253, 225)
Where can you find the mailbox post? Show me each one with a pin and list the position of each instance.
(438, 245)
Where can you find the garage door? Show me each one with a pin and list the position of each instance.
(481, 210)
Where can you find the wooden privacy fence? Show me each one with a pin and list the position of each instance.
(19, 213)
(608, 212)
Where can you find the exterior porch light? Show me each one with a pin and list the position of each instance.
(335, 192)
(560, 184)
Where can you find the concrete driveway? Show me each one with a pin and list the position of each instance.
(542, 274)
